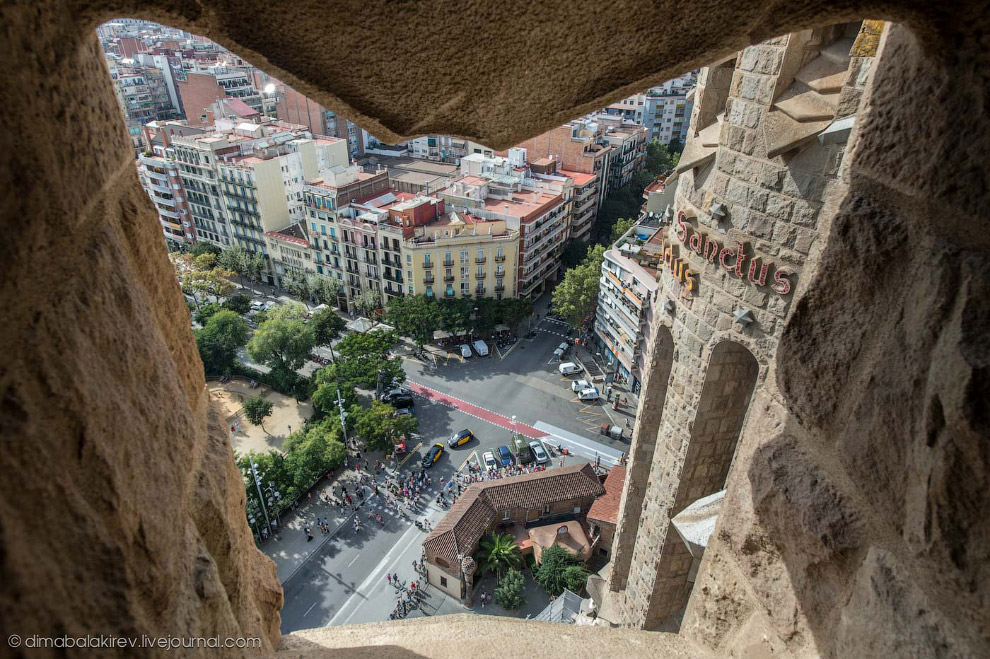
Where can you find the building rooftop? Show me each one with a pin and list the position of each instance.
(524, 205)
(294, 233)
(606, 508)
(475, 511)
(580, 178)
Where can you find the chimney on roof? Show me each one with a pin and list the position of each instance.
(506, 208)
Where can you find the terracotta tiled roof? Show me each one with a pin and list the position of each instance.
(606, 508)
(472, 515)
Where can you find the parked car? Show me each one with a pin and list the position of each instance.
(405, 411)
(401, 401)
(257, 305)
(524, 455)
(466, 351)
(504, 455)
(578, 385)
(432, 455)
(569, 368)
(538, 452)
(393, 393)
(588, 394)
(561, 350)
(481, 348)
(489, 459)
(460, 438)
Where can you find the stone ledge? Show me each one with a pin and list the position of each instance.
(467, 635)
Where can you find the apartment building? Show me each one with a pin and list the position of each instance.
(455, 254)
(628, 143)
(161, 180)
(242, 180)
(665, 109)
(497, 188)
(143, 94)
(208, 82)
(576, 147)
(444, 148)
(581, 194)
(289, 252)
(344, 229)
(626, 297)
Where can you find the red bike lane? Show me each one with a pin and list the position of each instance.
(474, 410)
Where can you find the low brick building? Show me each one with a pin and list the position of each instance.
(515, 500)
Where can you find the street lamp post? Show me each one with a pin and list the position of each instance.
(343, 415)
(261, 497)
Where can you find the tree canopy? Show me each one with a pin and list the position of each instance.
(218, 341)
(380, 428)
(509, 592)
(283, 341)
(558, 569)
(369, 304)
(497, 552)
(575, 297)
(327, 326)
(257, 408)
(415, 316)
(619, 229)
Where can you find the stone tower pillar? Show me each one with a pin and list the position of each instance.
(468, 567)
(756, 183)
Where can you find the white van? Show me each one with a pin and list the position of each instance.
(481, 348)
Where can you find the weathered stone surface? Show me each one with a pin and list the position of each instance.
(120, 507)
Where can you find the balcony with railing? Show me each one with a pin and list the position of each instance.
(449, 293)
(480, 259)
(499, 288)
(448, 278)
(479, 291)
(480, 275)
(500, 258)
(427, 264)
(429, 279)
(448, 263)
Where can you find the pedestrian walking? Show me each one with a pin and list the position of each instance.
(388, 577)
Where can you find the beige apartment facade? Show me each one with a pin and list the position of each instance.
(461, 255)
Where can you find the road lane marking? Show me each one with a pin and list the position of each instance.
(386, 563)
(309, 609)
(506, 354)
(473, 454)
(354, 560)
(409, 455)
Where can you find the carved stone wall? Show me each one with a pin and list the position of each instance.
(855, 518)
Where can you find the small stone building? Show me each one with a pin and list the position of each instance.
(487, 506)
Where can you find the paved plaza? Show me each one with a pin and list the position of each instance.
(287, 414)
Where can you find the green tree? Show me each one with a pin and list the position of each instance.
(365, 360)
(256, 266)
(238, 304)
(576, 296)
(235, 259)
(283, 341)
(327, 325)
(298, 284)
(310, 453)
(576, 577)
(415, 316)
(498, 552)
(573, 252)
(325, 384)
(207, 311)
(200, 248)
(381, 428)
(619, 229)
(369, 304)
(256, 409)
(552, 572)
(325, 289)
(515, 310)
(660, 158)
(509, 592)
(456, 314)
(218, 341)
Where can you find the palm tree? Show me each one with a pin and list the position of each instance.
(498, 552)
